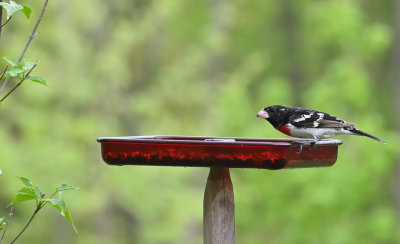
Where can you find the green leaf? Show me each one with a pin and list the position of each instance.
(37, 79)
(58, 204)
(28, 191)
(3, 223)
(24, 194)
(25, 181)
(7, 75)
(26, 65)
(11, 8)
(14, 72)
(27, 11)
(38, 193)
(62, 209)
(11, 61)
(64, 187)
(69, 219)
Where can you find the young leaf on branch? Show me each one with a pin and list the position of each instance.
(26, 10)
(32, 192)
(3, 223)
(27, 182)
(13, 7)
(11, 61)
(24, 194)
(36, 78)
(64, 187)
(20, 70)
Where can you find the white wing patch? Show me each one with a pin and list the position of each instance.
(316, 123)
(302, 118)
(321, 115)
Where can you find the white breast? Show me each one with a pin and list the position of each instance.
(316, 132)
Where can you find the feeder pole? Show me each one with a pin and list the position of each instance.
(219, 208)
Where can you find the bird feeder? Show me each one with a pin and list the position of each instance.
(219, 154)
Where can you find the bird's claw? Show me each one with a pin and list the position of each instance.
(314, 145)
(307, 143)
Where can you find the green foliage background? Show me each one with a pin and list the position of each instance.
(118, 68)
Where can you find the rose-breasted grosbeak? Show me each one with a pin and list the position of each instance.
(307, 123)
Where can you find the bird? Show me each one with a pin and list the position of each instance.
(309, 123)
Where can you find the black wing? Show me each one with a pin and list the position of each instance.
(306, 118)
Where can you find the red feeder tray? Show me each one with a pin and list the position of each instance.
(217, 152)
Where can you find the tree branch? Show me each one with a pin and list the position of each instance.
(1, 20)
(27, 224)
(1, 25)
(5, 70)
(10, 214)
(33, 34)
(17, 85)
(33, 31)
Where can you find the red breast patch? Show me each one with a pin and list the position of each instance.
(285, 130)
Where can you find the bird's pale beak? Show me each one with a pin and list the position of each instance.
(263, 114)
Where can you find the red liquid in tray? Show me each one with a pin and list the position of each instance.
(216, 152)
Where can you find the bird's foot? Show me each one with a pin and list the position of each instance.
(302, 143)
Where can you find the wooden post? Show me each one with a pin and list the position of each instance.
(219, 208)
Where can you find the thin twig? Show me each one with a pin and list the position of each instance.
(4, 232)
(1, 25)
(33, 34)
(27, 224)
(5, 70)
(1, 20)
(10, 214)
(17, 85)
(33, 31)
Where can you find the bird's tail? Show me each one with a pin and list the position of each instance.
(362, 133)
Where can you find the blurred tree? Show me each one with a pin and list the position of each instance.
(290, 24)
(205, 68)
(396, 101)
